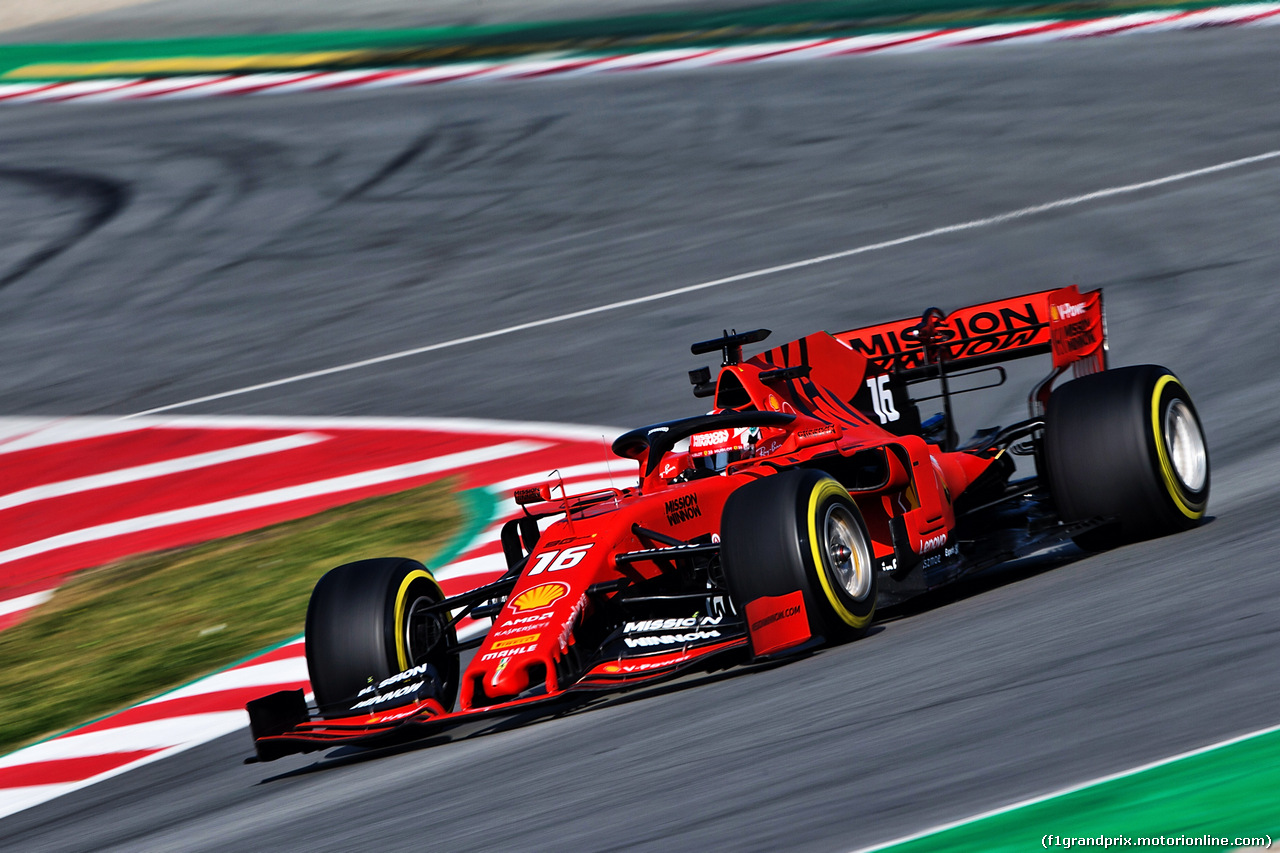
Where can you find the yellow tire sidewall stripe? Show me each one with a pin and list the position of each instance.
(827, 488)
(1172, 485)
(402, 595)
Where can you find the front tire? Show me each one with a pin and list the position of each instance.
(1126, 445)
(799, 530)
(366, 622)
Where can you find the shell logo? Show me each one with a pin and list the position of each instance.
(774, 404)
(538, 597)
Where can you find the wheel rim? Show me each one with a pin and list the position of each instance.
(1187, 452)
(846, 549)
(423, 631)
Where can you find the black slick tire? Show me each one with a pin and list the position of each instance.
(790, 532)
(366, 623)
(1126, 445)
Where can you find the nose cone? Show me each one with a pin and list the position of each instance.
(508, 678)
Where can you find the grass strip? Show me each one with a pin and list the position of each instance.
(129, 630)
(365, 48)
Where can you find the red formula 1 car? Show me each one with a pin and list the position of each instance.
(811, 493)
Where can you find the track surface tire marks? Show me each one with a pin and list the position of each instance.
(534, 201)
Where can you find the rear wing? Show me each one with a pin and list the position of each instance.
(1065, 322)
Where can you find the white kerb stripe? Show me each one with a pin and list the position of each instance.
(154, 734)
(158, 469)
(24, 602)
(345, 483)
(281, 671)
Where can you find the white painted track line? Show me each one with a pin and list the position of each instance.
(971, 225)
(1070, 789)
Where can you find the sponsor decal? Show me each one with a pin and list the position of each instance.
(520, 624)
(538, 597)
(407, 690)
(671, 639)
(682, 509)
(1076, 336)
(643, 666)
(722, 440)
(930, 562)
(777, 622)
(940, 478)
(572, 622)
(932, 542)
(785, 613)
(997, 327)
(514, 641)
(647, 625)
(396, 715)
(669, 470)
(1066, 312)
(704, 440)
(773, 403)
(1076, 327)
(506, 653)
(771, 446)
(555, 543)
(420, 669)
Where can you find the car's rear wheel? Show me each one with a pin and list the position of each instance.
(370, 620)
(800, 531)
(1126, 445)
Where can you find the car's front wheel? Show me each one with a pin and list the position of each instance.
(799, 531)
(374, 619)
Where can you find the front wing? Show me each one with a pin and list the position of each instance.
(281, 723)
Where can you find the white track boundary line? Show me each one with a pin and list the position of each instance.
(1070, 789)
(970, 225)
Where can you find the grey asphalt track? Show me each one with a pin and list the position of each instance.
(172, 250)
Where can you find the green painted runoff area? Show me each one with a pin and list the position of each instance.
(365, 48)
(1231, 793)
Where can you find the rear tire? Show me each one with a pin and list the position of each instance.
(366, 623)
(1127, 445)
(799, 530)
